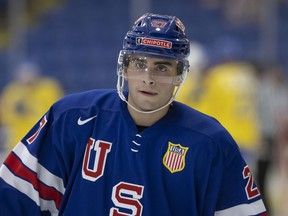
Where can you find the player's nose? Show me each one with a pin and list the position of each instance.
(148, 78)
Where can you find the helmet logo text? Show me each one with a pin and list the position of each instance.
(154, 42)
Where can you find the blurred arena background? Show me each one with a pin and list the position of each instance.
(77, 42)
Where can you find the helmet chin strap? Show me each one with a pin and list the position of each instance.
(120, 88)
(145, 112)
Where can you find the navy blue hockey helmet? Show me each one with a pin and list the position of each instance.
(159, 34)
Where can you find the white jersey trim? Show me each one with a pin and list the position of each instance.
(244, 209)
(43, 174)
(27, 188)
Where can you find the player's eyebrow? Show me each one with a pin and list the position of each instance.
(137, 59)
(163, 62)
(157, 62)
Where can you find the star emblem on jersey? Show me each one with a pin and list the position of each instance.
(82, 122)
(174, 158)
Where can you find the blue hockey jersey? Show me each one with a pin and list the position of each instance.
(86, 157)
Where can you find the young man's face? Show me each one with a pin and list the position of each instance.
(150, 81)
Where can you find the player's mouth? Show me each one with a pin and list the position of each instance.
(148, 93)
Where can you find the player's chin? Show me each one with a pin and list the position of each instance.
(151, 107)
(146, 106)
(147, 100)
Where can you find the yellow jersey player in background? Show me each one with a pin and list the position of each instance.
(227, 91)
(24, 100)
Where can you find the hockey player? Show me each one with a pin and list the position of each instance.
(95, 153)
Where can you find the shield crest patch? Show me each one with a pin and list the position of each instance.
(174, 158)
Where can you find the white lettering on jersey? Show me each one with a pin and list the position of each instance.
(251, 192)
(126, 195)
(100, 149)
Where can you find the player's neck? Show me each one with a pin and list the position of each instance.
(147, 119)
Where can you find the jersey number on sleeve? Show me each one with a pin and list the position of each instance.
(127, 196)
(35, 135)
(251, 190)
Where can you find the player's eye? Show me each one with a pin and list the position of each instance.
(140, 65)
(161, 68)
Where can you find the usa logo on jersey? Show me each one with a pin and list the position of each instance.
(174, 158)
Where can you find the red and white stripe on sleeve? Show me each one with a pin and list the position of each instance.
(22, 171)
